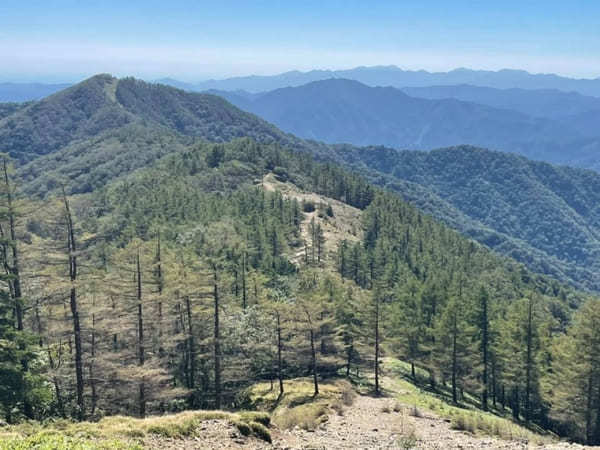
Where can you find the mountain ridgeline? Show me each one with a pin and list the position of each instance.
(178, 272)
(543, 215)
(127, 124)
(105, 127)
(399, 78)
(338, 110)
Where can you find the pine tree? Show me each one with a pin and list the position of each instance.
(453, 351)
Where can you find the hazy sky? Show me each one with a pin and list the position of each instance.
(65, 40)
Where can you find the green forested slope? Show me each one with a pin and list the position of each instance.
(544, 215)
(541, 215)
(104, 127)
(188, 292)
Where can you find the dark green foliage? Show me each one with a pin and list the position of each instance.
(544, 216)
(104, 127)
(6, 109)
(20, 381)
(308, 206)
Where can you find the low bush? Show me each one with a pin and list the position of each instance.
(260, 431)
(256, 416)
(308, 206)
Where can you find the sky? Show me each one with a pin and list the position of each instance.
(67, 40)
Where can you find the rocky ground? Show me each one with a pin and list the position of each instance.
(370, 423)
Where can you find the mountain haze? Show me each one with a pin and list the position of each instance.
(397, 77)
(23, 92)
(547, 103)
(338, 110)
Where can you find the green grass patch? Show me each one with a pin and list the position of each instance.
(466, 417)
(58, 441)
(298, 406)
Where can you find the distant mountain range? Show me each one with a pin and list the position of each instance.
(338, 110)
(547, 103)
(397, 77)
(371, 76)
(23, 92)
(105, 128)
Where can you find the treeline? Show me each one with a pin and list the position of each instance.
(173, 289)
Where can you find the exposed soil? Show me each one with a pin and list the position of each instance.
(370, 423)
(345, 223)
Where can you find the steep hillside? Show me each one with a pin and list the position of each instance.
(6, 109)
(158, 120)
(254, 242)
(544, 215)
(104, 127)
(338, 110)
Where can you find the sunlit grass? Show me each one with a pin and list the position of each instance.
(121, 432)
(465, 417)
(298, 406)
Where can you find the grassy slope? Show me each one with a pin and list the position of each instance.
(119, 432)
(467, 416)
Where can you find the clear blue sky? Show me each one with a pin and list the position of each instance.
(193, 40)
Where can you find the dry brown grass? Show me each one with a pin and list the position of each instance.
(127, 432)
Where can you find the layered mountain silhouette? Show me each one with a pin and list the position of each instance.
(397, 77)
(23, 92)
(338, 110)
(104, 128)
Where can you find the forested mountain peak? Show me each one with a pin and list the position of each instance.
(104, 127)
(103, 103)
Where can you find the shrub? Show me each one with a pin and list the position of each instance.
(256, 416)
(463, 423)
(308, 206)
(348, 396)
(415, 412)
(281, 173)
(242, 427)
(338, 407)
(407, 442)
(308, 417)
(260, 431)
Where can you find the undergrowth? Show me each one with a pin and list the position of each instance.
(125, 433)
(465, 417)
(298, 407)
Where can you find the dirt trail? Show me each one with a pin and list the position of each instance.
(364, 425)
(370, 423)
(345, 223)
